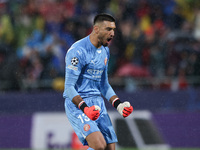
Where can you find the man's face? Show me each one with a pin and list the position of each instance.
(106, 32)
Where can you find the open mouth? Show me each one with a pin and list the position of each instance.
(109, 39)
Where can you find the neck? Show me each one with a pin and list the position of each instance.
(94, 40)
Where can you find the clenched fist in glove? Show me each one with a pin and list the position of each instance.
(125, 108)
(92, 112)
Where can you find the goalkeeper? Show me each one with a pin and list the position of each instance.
(86, 80)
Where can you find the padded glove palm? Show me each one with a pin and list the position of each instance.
(125, 109)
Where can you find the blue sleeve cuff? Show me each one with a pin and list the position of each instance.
(109, 93)
(71, 92)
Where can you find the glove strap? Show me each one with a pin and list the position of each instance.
(82, 105)
(116, 102)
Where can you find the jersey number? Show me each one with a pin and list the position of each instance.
(83, 118)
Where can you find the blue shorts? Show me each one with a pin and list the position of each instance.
(83, 126)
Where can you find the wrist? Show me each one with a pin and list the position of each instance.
(82, 105)
(116, 102)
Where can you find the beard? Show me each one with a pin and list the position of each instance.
(104, 44)
(102, 41)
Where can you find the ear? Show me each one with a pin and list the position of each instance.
(96, 29)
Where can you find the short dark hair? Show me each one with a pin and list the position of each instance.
(103, 17)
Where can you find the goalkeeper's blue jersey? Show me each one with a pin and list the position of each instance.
(86, 70)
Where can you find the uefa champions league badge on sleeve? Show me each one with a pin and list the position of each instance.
(74, 61)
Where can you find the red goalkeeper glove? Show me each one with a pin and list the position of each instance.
(92, 112)
(125, 108)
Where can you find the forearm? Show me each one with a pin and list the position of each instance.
(76, 100)
(113, 98)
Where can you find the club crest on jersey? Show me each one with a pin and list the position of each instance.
(105, 61)
(86, 127)
(74, 61)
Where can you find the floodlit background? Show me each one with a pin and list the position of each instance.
(154, 64)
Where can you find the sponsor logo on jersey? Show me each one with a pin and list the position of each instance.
(74, 61)
(86, 127)
(95, 72)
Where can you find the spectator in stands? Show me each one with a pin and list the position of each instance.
(149, 35)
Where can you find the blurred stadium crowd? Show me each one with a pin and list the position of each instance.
(155, 39)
